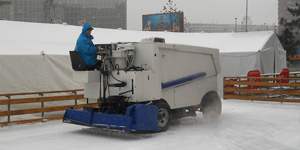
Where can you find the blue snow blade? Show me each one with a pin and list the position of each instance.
(137, 118)
(183, 80)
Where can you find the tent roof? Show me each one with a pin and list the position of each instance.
(35, 38)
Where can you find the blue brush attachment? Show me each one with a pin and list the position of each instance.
(138, 117)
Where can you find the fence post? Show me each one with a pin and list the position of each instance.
(75, 92)
(252, 89)
(281, 88)
(223, 88)
(268, 95)
(8, 108)
(295, 82)
(42, 103)
(239, 79)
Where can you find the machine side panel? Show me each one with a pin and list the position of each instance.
(179, 62)
(92, 90)
(129, 78)
(176, 64)
(141, 82)
(203, 50)
(144, 86)
(191, 94)
(86, 76)
(147, 56)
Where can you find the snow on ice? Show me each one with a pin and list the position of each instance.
(244, 125)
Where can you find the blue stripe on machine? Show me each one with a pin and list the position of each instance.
(182, 80)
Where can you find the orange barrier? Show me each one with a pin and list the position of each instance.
(229, 86)
(41, 98)
(282, 88)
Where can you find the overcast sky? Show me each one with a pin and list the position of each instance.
(206, 11)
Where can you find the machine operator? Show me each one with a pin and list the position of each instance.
(87, 49)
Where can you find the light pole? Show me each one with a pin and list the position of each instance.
(235, 24)
(94, 22)
(246, 14)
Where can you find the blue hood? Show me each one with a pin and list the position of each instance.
(84, 28)
(86, 47)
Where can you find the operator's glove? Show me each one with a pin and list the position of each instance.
(99, 48)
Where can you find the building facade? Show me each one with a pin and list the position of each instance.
(99, 13)
(219, 28)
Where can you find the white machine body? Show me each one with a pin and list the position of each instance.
(165, 71)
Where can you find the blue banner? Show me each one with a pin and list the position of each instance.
(172, 22)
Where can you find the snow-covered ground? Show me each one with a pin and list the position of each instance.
(244, 125)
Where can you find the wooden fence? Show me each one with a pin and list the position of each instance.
(264, 88)
(39, 97)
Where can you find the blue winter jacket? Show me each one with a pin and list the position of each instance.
(86, 47)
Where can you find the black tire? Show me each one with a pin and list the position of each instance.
(211, 106)
(164, 115)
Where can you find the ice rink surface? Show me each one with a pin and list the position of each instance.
(244, 125)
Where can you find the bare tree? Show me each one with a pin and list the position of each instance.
(172, 8)
(249, 23)
(49, 7)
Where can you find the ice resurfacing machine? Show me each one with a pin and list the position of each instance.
(142, 86)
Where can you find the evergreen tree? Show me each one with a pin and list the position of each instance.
(288, 42)
(291, 30)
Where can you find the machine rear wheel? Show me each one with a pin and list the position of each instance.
(211, 106)
(163, 119)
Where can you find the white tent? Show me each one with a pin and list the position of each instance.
(35, 56)
(242, 52)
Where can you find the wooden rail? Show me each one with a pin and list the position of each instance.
(45, 92)
(268, 89)
(72, 95)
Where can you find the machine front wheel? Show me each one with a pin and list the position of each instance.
(163, 118)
